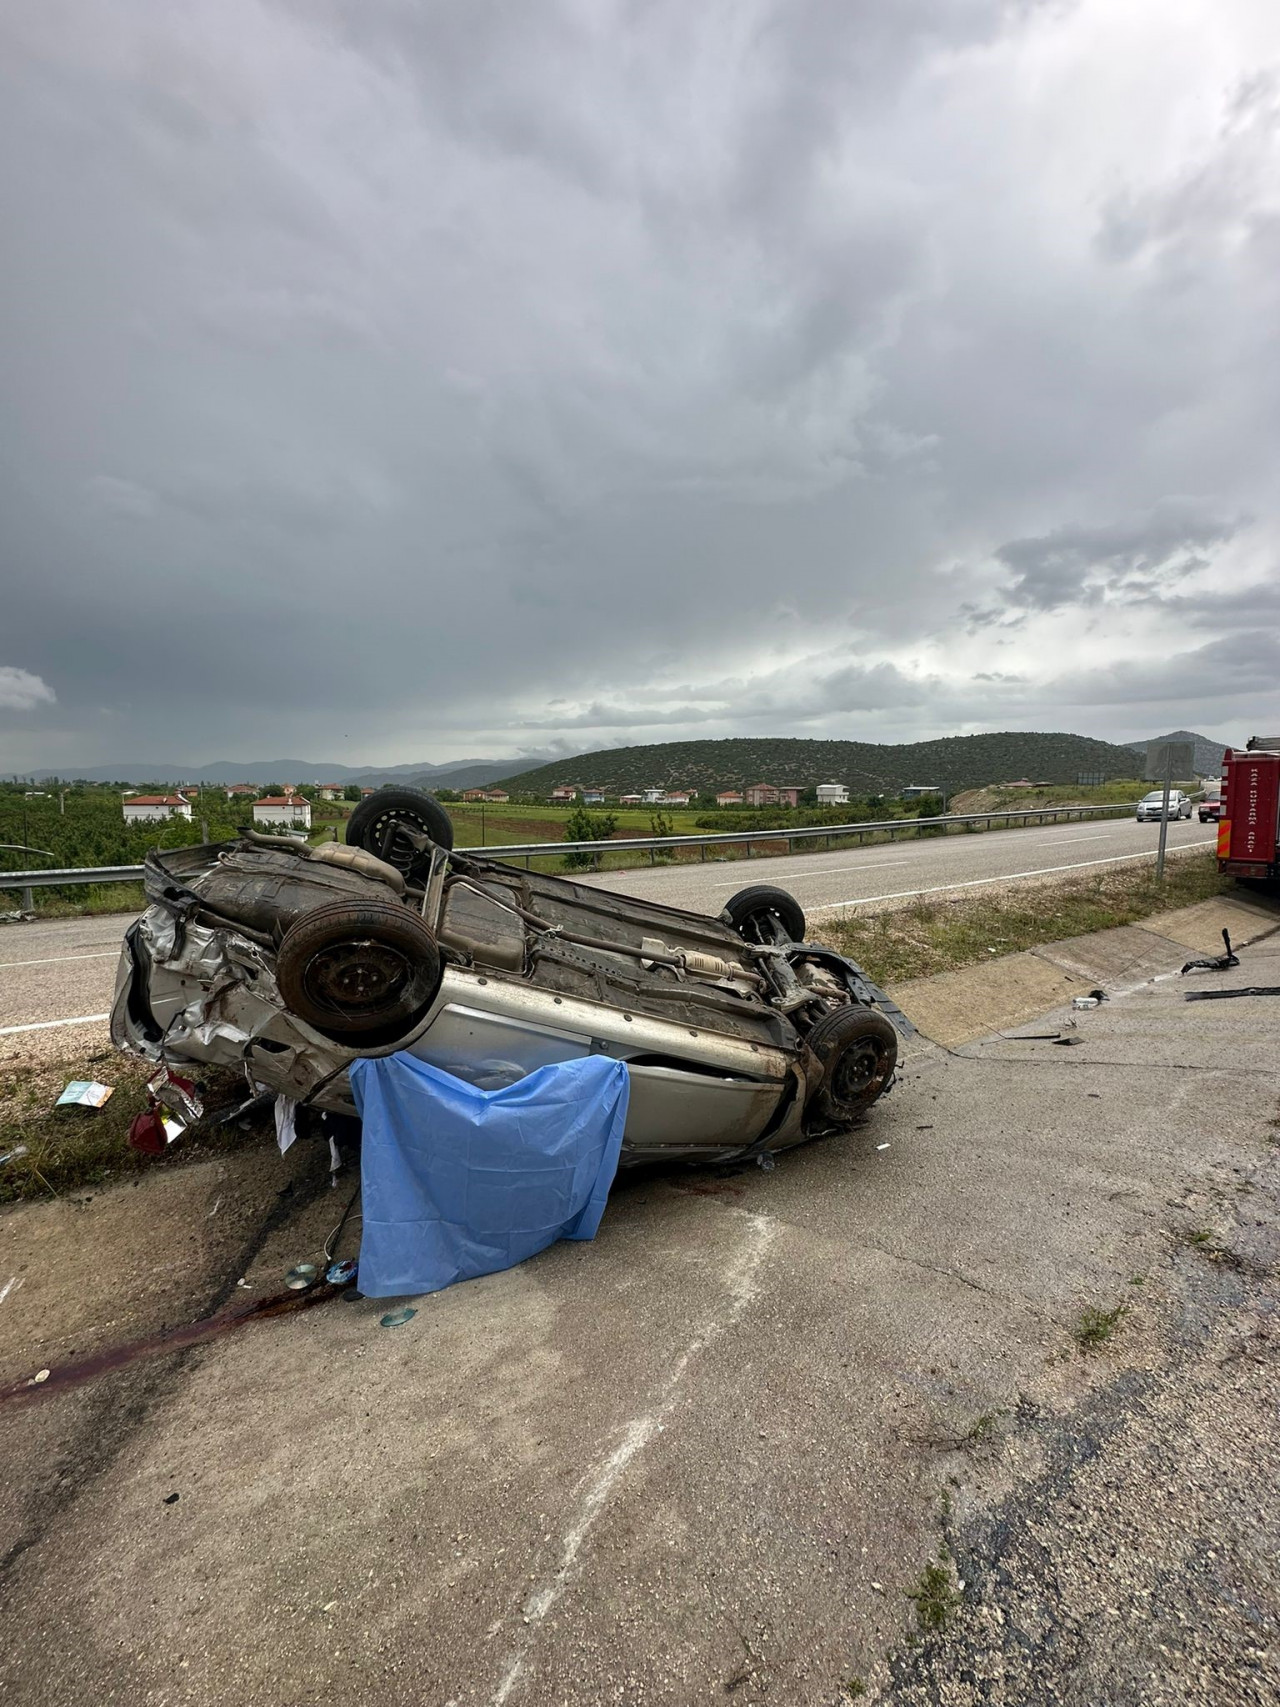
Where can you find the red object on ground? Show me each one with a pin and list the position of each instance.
(1249, 828)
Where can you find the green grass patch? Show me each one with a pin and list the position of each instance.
(929, 936)
(1095, 1327)
(936, 1596)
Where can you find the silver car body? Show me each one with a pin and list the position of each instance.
(715, 1068)
(1151, 806)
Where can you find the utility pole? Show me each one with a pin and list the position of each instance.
(1164, 814)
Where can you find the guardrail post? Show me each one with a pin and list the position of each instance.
(28, 900)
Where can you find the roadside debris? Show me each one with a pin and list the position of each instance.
(397, 1318)
(173, 1104)
(1230, 995)
(18, 1151)
(1215, 962)
(85, 1093)
(302, 1276)
(286, 1124)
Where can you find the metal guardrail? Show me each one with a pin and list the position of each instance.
(28, 881)
(893, 827)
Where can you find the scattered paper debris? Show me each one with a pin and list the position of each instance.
(85, 1093)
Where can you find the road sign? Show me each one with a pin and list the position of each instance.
(1090, 779)
(1175, 760)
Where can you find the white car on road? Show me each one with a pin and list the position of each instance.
(1151, 806)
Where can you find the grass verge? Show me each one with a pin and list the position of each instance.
(69, 1149)
(928, 936)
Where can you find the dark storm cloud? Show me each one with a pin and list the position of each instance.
(1078, 565)
(390, 380)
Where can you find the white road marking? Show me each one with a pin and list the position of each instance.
(741, 1281)
(826, 871)
(1006, 877)
(49, 1024)
(1066, 841)
(56, 959)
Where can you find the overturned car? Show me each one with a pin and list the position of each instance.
(292, 961)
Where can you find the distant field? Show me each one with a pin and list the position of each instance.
(996, 799)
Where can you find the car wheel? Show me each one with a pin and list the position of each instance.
(359, 971)
(377, 825)
(750, 909)
(858, 1050)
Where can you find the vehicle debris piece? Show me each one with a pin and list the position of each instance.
(1216, 962)
(1230, 995)
(85, 1093)
(286, 1122)
(397, 1318)
(741, 1038)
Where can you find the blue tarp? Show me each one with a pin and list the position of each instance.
(458, 1181)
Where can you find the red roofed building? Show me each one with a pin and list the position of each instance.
(155, 808)
(291, 810)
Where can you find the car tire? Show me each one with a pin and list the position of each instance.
(359, 972)
(858, 1051)
(375, 823)
(747, 910)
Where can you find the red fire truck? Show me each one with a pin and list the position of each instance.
(1249, 828)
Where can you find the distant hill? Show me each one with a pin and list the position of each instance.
(458, 773)
(1208, 753)
(957, 761)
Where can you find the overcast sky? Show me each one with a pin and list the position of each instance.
(386, 380)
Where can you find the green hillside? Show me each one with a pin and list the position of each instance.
(958, 761)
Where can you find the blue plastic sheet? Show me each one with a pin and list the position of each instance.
(458, 1181)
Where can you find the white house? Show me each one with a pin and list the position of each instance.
(331, 790)
(290, 810)
(832, 794)
(593, 797)
(654, 796)
(153, 808)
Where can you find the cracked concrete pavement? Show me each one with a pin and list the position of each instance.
(711, 1454)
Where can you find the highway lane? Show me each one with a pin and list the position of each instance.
(888, 873)
(64, 970)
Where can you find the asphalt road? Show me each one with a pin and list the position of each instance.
(712, 1455)
(894, 871)
(65, 969)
